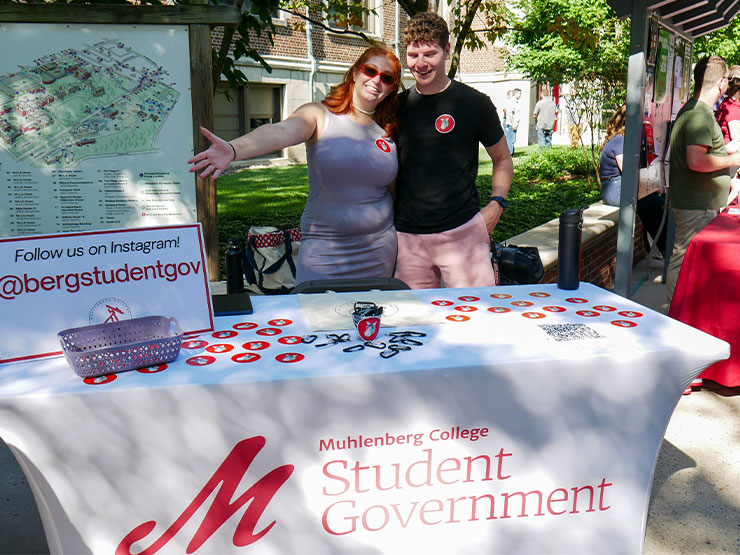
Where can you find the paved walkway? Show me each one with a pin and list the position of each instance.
(694, 504)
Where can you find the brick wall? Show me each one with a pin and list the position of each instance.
(599, 258)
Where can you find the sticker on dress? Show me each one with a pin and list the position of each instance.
(100, 380)
(201, 360)
(442, 303)
(500, 296)
(280, 322)
(499, 309)
(522, 303)
(466, 308)
(220, 348)
(290, 357)
(468, 298)
(152, 369)
(256, 345)
(244, 326)
(604, 308)
(539, 294)
(383, 145)
(245, 357)
(576, 300)
(553, 308)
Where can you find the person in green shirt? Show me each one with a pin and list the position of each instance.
(699, 176)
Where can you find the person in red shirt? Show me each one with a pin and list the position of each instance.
(728, 113)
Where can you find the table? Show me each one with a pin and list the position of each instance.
(529, 421)
(707, 294)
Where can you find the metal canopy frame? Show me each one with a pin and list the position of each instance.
(689, 19)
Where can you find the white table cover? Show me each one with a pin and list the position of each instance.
(528, 422)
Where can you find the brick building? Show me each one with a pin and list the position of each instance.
(306, 60)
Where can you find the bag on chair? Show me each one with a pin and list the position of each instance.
(269, 259)
(516, 265)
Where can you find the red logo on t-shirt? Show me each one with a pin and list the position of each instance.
(383, 145)
(445, 123)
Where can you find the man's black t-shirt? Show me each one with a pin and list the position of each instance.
(438, 142)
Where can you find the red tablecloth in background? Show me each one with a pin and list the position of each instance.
(707, 294)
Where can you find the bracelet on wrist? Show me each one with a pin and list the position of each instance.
(233, 150)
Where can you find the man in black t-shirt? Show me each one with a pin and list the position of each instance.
(442, 232)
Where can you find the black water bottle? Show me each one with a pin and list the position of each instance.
(234, 272)
(569, 248)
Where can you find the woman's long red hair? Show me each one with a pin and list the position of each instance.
(339, 99)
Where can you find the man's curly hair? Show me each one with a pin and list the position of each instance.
(426, 27)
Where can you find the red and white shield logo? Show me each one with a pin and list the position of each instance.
(368, 328)
(445, 123)
(383, 145)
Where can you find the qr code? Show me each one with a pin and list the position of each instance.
(570, 332)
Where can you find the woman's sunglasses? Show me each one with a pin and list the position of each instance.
(385, 77)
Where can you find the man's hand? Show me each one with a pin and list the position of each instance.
(492, 212)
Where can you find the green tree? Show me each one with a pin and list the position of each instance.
(724, 42)
(576, 42)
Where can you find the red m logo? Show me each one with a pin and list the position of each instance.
(228, 476)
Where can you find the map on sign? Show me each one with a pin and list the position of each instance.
(96, 128)
(106, 99)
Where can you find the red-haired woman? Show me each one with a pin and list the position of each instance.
(347, 226)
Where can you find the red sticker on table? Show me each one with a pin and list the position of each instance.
(244, 326)
(624, 323)
(100, 380)
(553, 308)
(245, 357)
(256, 345)
(224, 334)
(290, 357)
(587, 313)
(280, 322)
(442, 303)
(194, 344)
(220, 348)
(458, 318)
(499, 309)
(522, 303)
(576, 300)
(469, 298)
(152, 369)
(290, 340)
(604, 308)
(533, 315)
(500, 295)
(269, 331)
(630, 314)
(539, 294)
(202, 360)
(465, 308)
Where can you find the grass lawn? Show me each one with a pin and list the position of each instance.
(545, 184)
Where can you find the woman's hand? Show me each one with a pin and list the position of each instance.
(215, 159)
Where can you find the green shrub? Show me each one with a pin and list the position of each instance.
(546, 182)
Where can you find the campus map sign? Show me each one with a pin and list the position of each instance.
(95, 128)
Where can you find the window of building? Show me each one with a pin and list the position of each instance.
(239, 110)
(369, 23)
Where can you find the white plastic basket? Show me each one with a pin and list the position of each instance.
(120, 346)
